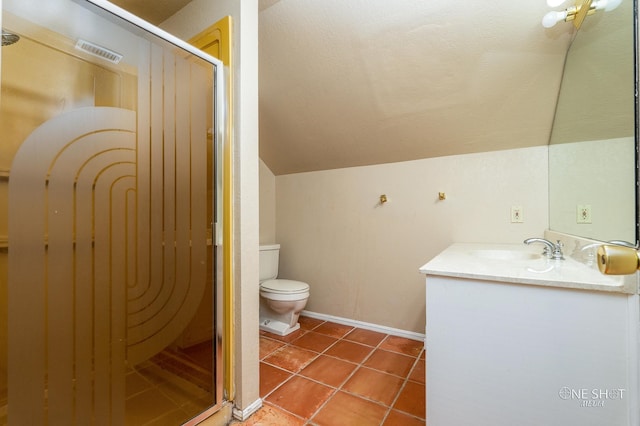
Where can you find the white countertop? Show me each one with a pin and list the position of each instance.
(522, 264)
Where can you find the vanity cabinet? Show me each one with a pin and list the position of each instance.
(503, 351)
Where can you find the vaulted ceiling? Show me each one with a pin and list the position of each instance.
(346, 83)
(356, 82)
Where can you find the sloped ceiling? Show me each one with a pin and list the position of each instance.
(356, 82)
(347, 83)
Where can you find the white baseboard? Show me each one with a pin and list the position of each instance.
(243, 415)
(366, 325)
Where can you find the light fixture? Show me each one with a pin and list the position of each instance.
(608, 5)
(578, 12)
(553, 17)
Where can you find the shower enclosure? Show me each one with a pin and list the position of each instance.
(110, 132)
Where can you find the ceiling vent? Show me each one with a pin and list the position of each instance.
(99, 51)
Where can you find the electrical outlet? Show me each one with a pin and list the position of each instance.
(516, 214)
(583, 213)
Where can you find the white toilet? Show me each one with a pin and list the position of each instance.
(281, 301)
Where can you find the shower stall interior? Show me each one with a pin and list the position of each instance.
(110, 134)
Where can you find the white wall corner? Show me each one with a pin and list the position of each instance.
(267, 205)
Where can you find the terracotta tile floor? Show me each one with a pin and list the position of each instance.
(332, 374)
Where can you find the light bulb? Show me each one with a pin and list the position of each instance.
(611, 4)
(607, 5)
(552, 18)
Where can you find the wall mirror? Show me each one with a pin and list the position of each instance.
(592, 152)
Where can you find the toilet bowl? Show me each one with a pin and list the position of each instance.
(281, 300)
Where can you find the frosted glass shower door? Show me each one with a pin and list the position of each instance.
(107, 274)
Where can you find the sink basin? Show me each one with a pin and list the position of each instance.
(496, 254)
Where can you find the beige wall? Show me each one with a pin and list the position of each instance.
(361, 259)
(267, 205)
(196, 16)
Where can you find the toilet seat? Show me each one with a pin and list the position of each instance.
(284, 286)
(284, 290)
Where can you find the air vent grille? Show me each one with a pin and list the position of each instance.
(99, 51)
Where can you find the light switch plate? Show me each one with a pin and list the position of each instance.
(516, 214)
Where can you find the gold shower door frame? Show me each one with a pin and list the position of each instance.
(111, 213)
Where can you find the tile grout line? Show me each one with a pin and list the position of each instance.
(404, 384)
(339, 387)
(294, 374)
(358, 366)
(362, 365)
(405, 379)
(286, 411)
(335, 389)
(390, 407)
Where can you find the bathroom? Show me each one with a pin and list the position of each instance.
(334, 215)
(355, 251)
(373, 247)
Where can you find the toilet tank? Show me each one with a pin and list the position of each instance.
(268, 262)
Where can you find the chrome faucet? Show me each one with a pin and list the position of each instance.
(551, 250)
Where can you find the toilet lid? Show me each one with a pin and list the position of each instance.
(284, 286)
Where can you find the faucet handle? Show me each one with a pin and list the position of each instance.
(557, 250)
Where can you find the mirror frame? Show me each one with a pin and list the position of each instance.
(637, 119)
